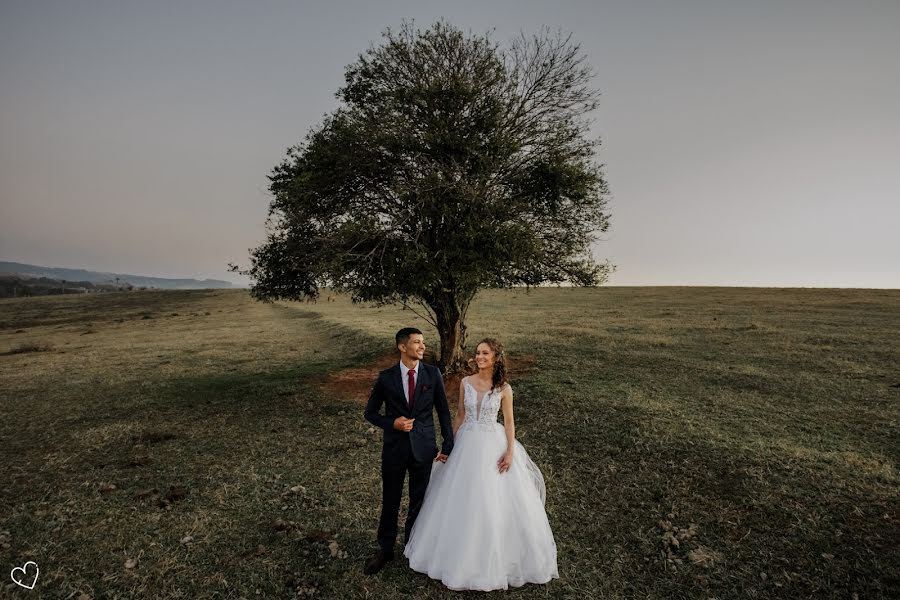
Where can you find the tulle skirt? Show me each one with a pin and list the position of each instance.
(480, 529)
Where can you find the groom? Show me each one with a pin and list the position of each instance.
(409, 391)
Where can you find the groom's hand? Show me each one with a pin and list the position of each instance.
(403, 424)
(440, 457)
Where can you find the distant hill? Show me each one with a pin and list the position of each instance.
(115, 278)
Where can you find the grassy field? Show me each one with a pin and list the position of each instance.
(696, 442)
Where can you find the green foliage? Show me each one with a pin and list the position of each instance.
(451, 165)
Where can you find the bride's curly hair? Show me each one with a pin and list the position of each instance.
(499, 378)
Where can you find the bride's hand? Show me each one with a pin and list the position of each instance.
(505, 462)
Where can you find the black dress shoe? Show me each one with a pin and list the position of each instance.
(377, 562)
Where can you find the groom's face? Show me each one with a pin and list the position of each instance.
(414, 348)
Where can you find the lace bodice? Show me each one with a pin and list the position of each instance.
(481, 409)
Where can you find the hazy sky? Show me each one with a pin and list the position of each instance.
(745, 143)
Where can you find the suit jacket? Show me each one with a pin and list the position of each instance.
(429, 395)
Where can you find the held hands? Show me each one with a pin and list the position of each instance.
(403, 424)
(505, 462)
(440, 457)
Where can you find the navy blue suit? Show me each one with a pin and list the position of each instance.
(412, 451)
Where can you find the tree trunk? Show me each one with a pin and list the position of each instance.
(452, 332)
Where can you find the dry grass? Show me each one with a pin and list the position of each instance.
(28, 347)
(697, 442)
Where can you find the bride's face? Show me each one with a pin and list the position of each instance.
(484, 357)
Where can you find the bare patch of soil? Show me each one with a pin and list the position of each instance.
(355, 383)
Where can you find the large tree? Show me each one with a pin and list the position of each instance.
(451, 165)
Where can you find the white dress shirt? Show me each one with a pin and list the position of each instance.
(403, 373)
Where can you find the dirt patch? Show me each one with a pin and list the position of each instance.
(355, 383)
(521, 364)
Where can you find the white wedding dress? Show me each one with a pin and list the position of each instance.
(480, 529)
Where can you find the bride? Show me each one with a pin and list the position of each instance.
(482, 525)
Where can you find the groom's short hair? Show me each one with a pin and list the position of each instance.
(403, 335)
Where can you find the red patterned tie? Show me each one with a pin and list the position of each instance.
(412, 386)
